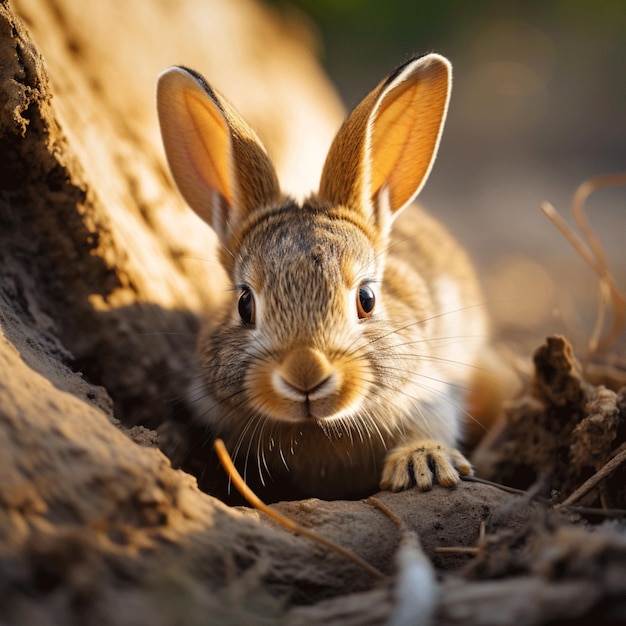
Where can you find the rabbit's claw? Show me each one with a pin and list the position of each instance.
(421, 463)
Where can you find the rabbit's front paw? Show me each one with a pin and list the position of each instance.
(422, 462)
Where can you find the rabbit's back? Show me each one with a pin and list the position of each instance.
(423, 243)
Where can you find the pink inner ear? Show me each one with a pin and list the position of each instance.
(208, 146)
(405, 134)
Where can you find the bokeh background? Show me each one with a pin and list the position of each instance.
(538, 106)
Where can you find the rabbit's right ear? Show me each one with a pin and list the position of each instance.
(219, 164)
(384, 151)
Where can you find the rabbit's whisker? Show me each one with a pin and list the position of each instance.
(442, 395)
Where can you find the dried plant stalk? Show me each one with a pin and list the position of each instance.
(591, 250)
(591, 483)
(257, 503)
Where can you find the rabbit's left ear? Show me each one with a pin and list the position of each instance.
(382, 155)
(219, 164)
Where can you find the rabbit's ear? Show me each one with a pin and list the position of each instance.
(383, 153)
(219, 164)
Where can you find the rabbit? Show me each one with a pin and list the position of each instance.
(340, 359)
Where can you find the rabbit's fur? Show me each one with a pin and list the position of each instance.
(342, 356)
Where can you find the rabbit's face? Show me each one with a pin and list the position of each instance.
(305, 283)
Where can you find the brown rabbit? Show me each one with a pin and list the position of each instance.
(342, 357)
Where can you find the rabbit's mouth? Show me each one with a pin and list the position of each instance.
(305, 385)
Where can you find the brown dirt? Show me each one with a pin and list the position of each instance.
(103, 275)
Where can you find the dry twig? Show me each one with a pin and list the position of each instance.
(473, 550)
(586, 511)
(388, 512)
(257, 503)
(591, 250)
(592, 482)
(483, 481)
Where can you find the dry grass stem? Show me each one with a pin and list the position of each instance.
(591, 250)
(257, 503)
(593, 482)
(588, 510)
(472, 550)
(483, 481)
(381, 506)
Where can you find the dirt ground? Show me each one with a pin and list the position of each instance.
(104, 275)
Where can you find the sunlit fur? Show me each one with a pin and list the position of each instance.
(402, 371)
(309, 389)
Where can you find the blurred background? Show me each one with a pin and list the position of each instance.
(538, 106)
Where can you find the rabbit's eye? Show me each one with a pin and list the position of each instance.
(246, 306)
(365, 302)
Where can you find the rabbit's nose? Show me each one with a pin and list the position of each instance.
(306, 372)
